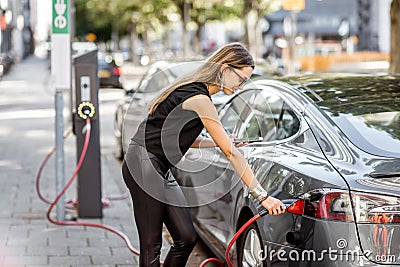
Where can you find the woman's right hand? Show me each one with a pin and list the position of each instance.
(274, 206)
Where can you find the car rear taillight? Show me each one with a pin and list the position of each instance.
(335, 206)
(116, 71)
(297, 207)
(338, 206)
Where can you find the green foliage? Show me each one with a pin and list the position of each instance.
(209, 10)
(92, 16)
(102, 17)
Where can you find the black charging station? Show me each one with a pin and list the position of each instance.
(85, 94)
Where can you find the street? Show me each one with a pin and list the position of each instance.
(26, 135)
(308, 91)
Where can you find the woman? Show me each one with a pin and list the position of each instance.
(175, 120)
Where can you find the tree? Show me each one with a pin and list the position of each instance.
(211, 10)
(184, 7)
(111, 19)
(395, 37)
(253, 13)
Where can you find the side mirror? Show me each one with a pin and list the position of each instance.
(129, 91)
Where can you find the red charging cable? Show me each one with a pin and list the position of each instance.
(108, 228)
(85, 146)
(39, 173)
(73, 202)
(236, 236)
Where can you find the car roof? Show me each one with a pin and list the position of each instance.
(338, 91)
(177, 68)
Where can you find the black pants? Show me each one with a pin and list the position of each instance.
(157, 199)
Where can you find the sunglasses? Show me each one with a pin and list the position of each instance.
(243, 80)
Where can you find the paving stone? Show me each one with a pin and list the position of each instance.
(100, 259)
(81, 251)
(48, 250)
(15, 241)
(71, 260)
(24, 260)
(13, 250)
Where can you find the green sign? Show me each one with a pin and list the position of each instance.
(60, 23)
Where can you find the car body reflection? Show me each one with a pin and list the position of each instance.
(332, 142)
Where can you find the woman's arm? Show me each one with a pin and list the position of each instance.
(207, 112)
(203, 142)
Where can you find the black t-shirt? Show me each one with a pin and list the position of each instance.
(171, 130)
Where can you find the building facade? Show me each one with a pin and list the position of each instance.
(346, 25)
(16, 37)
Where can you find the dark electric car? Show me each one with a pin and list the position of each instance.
(331, 145)
(108, 72)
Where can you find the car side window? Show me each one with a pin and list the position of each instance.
(263, 117)
(270, 118)
(288, 124)
(234, 112)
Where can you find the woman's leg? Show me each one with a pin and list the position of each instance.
(180, 227)
(179, 224)
(148, 216)
(157, 199)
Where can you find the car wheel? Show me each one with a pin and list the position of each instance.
(250, 248)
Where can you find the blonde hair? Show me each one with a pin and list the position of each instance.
(233, 54)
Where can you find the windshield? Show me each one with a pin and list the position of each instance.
(366, 109)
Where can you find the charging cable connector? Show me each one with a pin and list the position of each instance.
(85, 110)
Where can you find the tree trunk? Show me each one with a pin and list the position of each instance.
(165, 39)
(115, 37)
(185, 21)
(132, 43)
(247, 6)
(258, 35)
(197, 39)
(147, 43)
(395, 37)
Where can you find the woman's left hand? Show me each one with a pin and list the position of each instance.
(232, 137)
(241, 144)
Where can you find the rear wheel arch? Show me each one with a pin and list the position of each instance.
(245, 215)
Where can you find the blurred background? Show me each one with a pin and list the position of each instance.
(287, 36)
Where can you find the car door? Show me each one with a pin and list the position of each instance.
(205, 174)
(232, 116)
(272, 120)
(258, 119)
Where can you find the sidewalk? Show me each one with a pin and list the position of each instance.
(26, 136)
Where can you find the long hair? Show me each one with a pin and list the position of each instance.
(233, 54)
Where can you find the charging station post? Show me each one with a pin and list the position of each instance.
(86, 94)
(60, 79)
